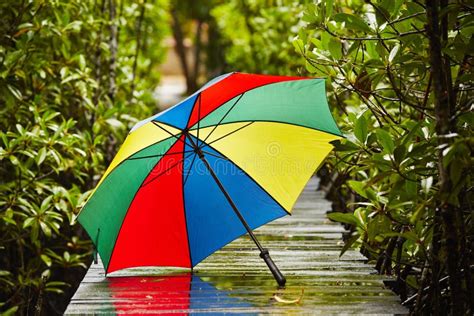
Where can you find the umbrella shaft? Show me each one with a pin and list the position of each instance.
(227, 196)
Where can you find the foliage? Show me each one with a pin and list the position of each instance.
(193, 20)
(72, 82)
(398, 72)
(249, 36)
(404, 171)
(257, 35)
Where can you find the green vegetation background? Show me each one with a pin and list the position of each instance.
(76, 75)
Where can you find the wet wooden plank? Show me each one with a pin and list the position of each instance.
(235, 280)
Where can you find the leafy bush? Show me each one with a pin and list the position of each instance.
(257, 35)
(400, 75)
(71, 84)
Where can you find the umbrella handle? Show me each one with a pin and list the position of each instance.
(265, 255)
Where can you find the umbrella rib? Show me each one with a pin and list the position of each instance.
(185, 215)
(228, 134)
(222, 119)
(199, 116)
(214, 155)
(162, 173)
(173, 135)
(285, 123)
(189, 170)
(160, 155)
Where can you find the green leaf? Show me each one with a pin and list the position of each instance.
(363, 190)
(358, 187)
(309, 15)
(411, 235)
(45, 204)
(56, 283)
(74, 26)
(41, 156)
(413, 131)
(45, 228)
(328, 6)
(353, 22)
(325, 39)
(16, 93)
(361, 216)
(115, 123)
(396, 7)
(13, 57)
(360, 129)
(335, 48)
(399, 153)
(347, 218)
(299, 45)
(310, 68)
(34, 232)
(377, 227)
(426, 184)
(29, 221)
(14, 160)
(11, 311)
(393, 53)
(47, 260)
(55, 286)
(348, 243)
(385, 139)
(344, 145)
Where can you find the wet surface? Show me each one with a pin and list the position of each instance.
(306, 248)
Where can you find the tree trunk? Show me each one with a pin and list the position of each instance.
(197, 54)
(181, 50)
(435, 294)
(449, 213)
(98, 67)
(215, 58)
(138, 30)
(113, 49)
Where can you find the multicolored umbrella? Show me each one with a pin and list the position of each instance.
(231, 157)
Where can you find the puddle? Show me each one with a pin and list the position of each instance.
(174, 294)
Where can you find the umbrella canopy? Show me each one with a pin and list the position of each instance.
(231, 157)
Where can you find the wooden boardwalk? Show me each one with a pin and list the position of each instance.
(305, 246)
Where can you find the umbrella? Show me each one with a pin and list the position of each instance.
(231, 157)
